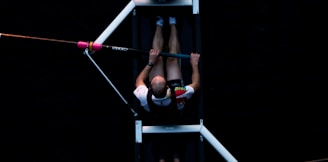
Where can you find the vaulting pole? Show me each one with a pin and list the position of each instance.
(93, 46)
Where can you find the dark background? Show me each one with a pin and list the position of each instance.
(262, 68)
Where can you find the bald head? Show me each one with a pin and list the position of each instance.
(158, 86)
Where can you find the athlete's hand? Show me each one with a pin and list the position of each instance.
(194, 58)
(153, 55)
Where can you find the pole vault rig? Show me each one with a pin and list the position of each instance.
(94, 46)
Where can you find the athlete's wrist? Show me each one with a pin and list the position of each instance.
(150, 64)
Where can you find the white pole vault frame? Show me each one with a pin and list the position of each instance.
(195, 128)
(139, 128)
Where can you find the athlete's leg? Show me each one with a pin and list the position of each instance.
(158, 43)
(172, 63)
(176, 160)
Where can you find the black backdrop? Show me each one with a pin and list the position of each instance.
(262, 69)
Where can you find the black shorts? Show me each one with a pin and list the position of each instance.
(175, 83)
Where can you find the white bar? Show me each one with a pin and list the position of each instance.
(217, 145)
(195, 6)
(138, 127)
(117, 21)
(163, 2)
(171, 129)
